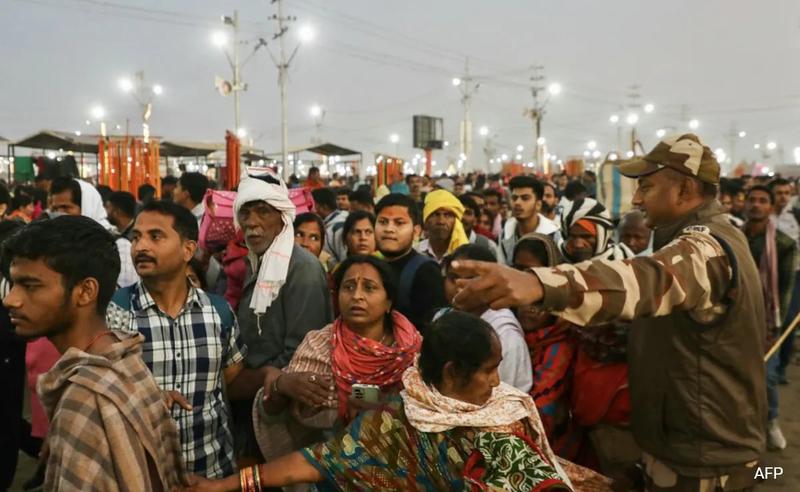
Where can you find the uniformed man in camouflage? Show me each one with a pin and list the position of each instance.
(697, 332)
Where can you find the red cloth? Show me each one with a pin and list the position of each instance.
(355, 359)
(483, 232)
(588, 225)
(600, 392)
(313, 185)
(40, 357)
(234, 263)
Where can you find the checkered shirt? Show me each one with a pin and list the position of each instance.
(188, 354)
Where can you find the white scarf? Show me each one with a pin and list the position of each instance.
(92, 204)
(275, 261)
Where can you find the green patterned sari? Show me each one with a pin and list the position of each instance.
(381, 451)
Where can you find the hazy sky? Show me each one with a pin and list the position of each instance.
(375, 63)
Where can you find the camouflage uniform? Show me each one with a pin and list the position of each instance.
(696, 341)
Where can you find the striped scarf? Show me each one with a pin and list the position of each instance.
(588, 209)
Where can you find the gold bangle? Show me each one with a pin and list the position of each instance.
(251, 482)
(242, 480)
(258, 478)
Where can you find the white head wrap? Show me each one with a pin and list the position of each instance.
(275, 261)
(92, 204)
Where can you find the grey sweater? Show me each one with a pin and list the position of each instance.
(303, 304)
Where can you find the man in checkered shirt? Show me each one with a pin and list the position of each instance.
(192, 341)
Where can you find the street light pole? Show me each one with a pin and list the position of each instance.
(282, 73)
(468, 87)
(536, 113)
(237, 80)
(143, 94)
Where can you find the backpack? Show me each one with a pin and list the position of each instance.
(122, 298)
(216, 228)
(302, 199)
(407, 281)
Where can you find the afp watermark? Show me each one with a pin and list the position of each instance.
(768, 472)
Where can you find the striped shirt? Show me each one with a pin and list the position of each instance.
(187, 354)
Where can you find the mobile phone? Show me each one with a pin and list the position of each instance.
(369, 393)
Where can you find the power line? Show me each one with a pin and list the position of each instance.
(387, 33)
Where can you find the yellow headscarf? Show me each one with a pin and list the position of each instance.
(444, 199)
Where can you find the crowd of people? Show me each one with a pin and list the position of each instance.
(462, 333)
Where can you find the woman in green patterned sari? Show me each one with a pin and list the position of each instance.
(455, 426)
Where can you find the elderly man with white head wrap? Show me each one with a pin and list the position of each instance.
(75, 197)
(286, 292)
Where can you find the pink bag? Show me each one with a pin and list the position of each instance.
(217, 228)
(302, 199)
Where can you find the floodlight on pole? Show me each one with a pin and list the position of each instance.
(125, 84)
(649, 108)
(316, 111)
(541, 140)
(632, 119)
(219, 38)
(614, 118)
(660, 133)
(772, 145)
(306, 34)
(694, 124)
(483, 131)
(554, 88)
(97, 112)
(241, 132)
(394, 138)
(520, 148)
(456, 81)
(591, 145)
(742, 134)
(158, 89)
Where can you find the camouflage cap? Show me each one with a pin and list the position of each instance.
(685, 154)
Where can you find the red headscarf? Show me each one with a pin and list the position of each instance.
(356, 359)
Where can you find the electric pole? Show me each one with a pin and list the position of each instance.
(733, 135)
(283, 69)
(536, 112)
(283, 78)
(468, 87)
(237, 80)
(236, 85)
(634, 105)
(541, 97)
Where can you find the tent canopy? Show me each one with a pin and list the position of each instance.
(55, 140)
(326, 149)
(189, 149)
